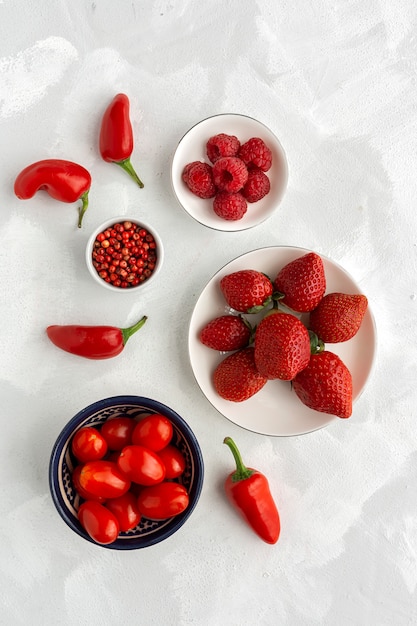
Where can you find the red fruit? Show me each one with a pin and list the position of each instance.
(282, 346)
(257, 186)
(222, 145)
(302, 282)
(173, 460)
(98, 522)
(230, 174)
(255, 153)
(125, 510)
(186, 170)
(226, 333)
(236, 377)
(141, 465)
(325, 385)
(198, 177)
(229, 206)
(88, 444)
(338, 316)
(247, 291)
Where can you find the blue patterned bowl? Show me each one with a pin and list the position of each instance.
(66, 500)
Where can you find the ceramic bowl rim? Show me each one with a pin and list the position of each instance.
(106, 224)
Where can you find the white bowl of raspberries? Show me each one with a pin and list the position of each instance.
(229, 172)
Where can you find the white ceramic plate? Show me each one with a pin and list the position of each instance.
(192, 147)
(276, 410)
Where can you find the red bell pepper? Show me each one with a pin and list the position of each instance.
(92, 342)
(248, 491)
(63, 180)
(116, 135)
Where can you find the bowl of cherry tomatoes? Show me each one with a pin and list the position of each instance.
(124, 254)
(126, 472)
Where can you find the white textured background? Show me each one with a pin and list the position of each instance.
(337, 82)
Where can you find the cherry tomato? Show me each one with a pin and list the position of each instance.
(99, 522)
(103, 478)
(82, 492)
(173, 460)
(117, 431)
(126, 510)
(141, 465)
(88, 444)
(163, 501)
(154, 432)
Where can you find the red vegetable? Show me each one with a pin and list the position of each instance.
(88, 444)
(116, 135)
(141, 465)
(75, 477)
(153, 431)
(125, 509)
(63, 180)
(163, 501)
(173, 460)
(117, 431)
(99, 522)
(248, 491)
(92, 342)
(104, 479)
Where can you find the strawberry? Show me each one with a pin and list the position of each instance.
(282, 346)
(247, 291)
(302, 282)
(325, 385)
(236, 377)
(338, 316)
(225, 333)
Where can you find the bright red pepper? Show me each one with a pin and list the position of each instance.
(248, 491)
(92, 342)
(116, 135)
(63, 180)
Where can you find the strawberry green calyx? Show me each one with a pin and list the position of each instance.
(316, 344)
(260, 307)
(252, 329)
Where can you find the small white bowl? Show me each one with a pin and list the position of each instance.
(106, 225)
(192, 147)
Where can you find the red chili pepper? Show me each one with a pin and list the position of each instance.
(116, 135)
(92, 342)
(248, 491)
(63, 180)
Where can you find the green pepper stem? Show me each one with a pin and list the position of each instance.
(242, 471)
(128, 167)
(128, 332)
(83, 208)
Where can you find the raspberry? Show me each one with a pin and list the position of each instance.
(229, 206)
(230, 174)
(198, 177)
(186, 170)
(257, 186)
(255, 153)
(222, 145)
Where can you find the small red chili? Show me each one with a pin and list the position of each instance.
(92, 342)
(62, 180)
(116, 135)
(248, 491)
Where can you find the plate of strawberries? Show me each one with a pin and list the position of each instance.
(229, 172)
(282, 341)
